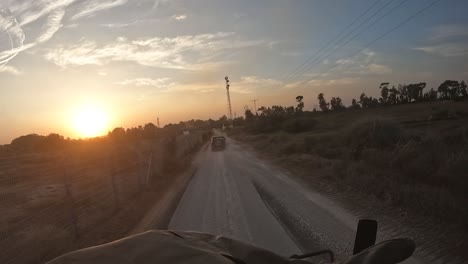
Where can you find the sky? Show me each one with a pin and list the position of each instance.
(134, 61)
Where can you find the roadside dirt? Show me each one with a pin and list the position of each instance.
(436, 242)
(159, 214)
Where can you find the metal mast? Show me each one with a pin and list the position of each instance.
(255, 105)
(228, 98)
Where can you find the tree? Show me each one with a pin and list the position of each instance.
(403, 94)
(300, 104)
(448, 89)
(364, 101)
(463, 89)
(431, 95)
(354, 104)
(118, 133)
(393, 96)
(289, 110)
(249, 116)
(384, 92)
(415, 91)
(149, 130)
(322, 102)
(223, 120)
(336, 104)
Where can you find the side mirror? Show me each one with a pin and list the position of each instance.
(366, 235)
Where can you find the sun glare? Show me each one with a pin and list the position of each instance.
(90, 122)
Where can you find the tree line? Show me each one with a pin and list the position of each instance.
(294, 119)
(402, 94)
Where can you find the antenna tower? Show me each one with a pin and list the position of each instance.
(228, 98)
(255, 105)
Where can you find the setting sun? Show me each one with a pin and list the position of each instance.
(90, 122)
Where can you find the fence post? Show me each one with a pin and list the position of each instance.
(69, 201)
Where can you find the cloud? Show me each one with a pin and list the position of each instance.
(189, 52)
(250, 84)
(159, 3)
(75, 25)
(293, 85)
(118, 25)
(379, 69)
(16, 36)
(196, 87)
(160, 83)
(91, 7)
(10, 70)
(54, 23)
(446, 50)
(448, 31)
(364, 63)
(29, 11)
(15, 14)
(332, 82)
(179, 17)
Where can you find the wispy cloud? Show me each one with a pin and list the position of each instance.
(179, 17)
(251, 84)
(159, 3)
(332, 82)
(10, 70)
(161, 83)
(47, 15)
(182, 52)
(448, 31)
(446, 50)
(28, 11)
(92, 7)
(54, 23)
(379, 68)
(365, 63)
(10, 25)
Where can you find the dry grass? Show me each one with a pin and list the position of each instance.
(410, 156)
(405, 165)
(107, 194)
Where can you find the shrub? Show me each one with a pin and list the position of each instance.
(372, 133)
(299, 124)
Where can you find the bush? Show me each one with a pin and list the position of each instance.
(372, 133)
(299, 124)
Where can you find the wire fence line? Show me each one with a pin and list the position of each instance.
(49, 201)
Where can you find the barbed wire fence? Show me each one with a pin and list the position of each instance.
(49, 202)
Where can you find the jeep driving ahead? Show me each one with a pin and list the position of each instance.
(218, 143)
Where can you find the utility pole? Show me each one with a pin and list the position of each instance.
(158, 123)
(228, 98)
(255, 105)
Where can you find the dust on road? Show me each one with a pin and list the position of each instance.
(236, 195)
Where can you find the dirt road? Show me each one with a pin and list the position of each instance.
(236, 195)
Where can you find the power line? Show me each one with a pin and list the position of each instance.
(333, 39)
(385, 34)
(355, 36)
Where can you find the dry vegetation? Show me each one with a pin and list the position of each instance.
(411, 157)
(87, 193)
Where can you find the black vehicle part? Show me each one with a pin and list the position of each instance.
(366, 235)
(314, 254)
(387, 252)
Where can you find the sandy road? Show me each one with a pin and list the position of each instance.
(236, 195)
